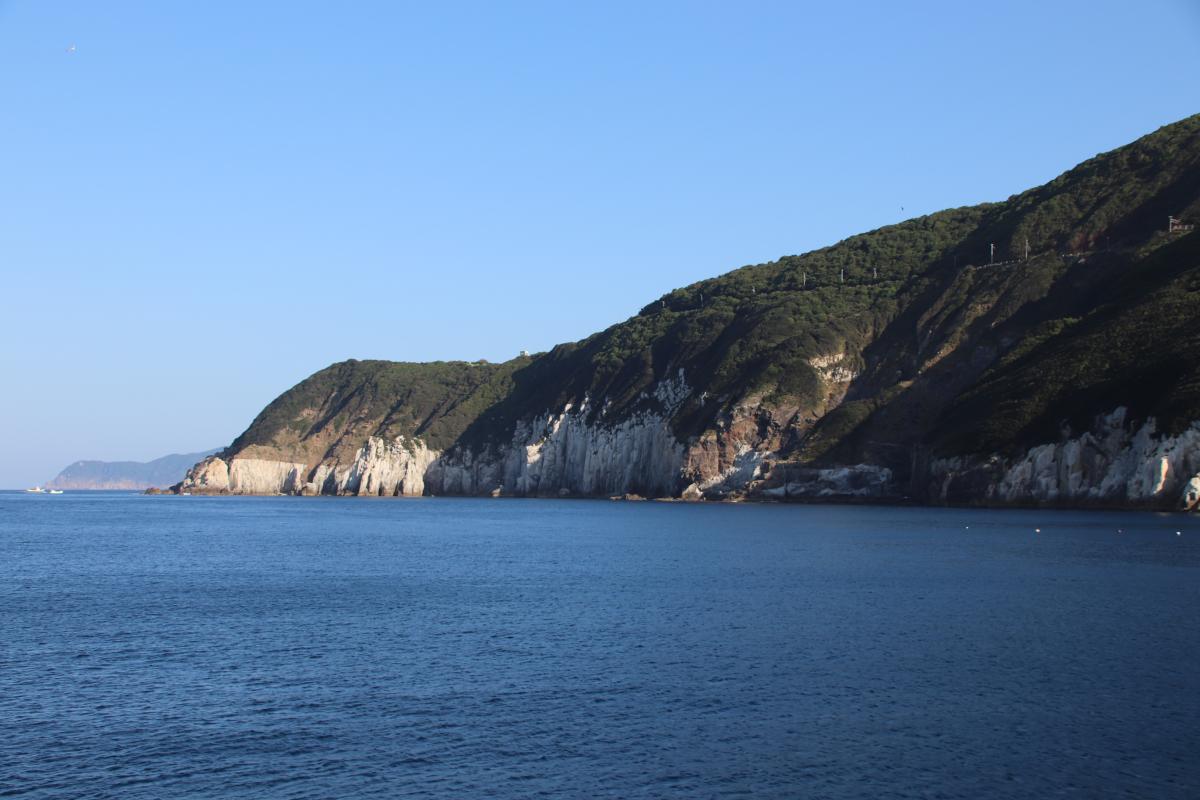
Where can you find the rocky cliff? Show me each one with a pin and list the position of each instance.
(908, 362)
(1119, 463)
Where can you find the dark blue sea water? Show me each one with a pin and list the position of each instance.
(164, 647)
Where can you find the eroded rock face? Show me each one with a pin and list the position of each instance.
(561, 454)
(576, 452)
(260, 476)
(564, 453)
(380, 468)
(243, 476)
(571, 451)
(1191, 494)
(210, 475)
(1115, 463)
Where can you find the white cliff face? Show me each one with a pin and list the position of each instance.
(244, 476)
(1111, 464)
(1191, 494)
(379, 468)
(564, 452)
(573, 452)
(260, 476)
(385, 469)
(568, 453)
(210, 475)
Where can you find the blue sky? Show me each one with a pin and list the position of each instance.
(203, 203)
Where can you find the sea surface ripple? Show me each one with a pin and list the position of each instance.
(172, 647)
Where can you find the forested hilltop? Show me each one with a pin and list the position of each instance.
(1037, 350)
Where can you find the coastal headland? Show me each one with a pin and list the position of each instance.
(1043, 350)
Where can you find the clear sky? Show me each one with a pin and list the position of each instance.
(203, 203)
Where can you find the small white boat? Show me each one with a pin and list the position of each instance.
(56, 491)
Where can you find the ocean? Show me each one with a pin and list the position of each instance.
(194, 647)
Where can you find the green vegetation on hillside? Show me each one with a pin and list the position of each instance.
(1091, 305)
(434, 401)
(1138, 348)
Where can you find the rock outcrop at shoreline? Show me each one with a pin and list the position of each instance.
(1116, 464)
(903, 364)
(561, 453)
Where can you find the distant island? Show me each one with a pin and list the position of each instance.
(126, 474)
(1043, 350)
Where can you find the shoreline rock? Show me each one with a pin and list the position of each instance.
(1116, 464)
